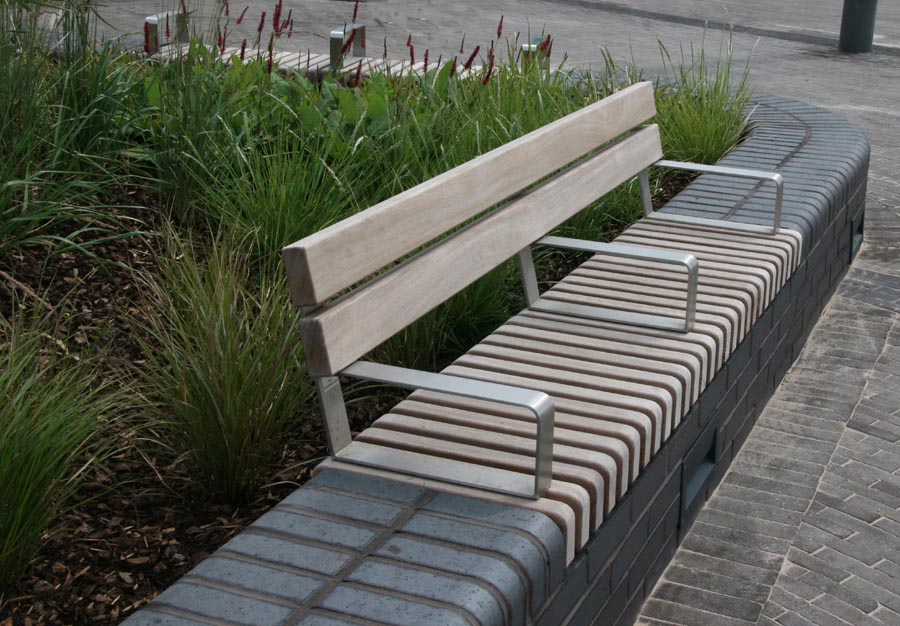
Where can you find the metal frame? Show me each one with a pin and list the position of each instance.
(739, 172)
(343, 448)
(689, 261)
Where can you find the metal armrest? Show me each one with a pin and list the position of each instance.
(689, 262)
(740, 172)
(537, 402)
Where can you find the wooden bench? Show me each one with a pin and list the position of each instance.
(566, 402)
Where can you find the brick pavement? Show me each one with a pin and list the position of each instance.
(805, 527)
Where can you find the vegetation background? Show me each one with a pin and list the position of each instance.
(143, 205)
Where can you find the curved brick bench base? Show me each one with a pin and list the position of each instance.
(356, 547)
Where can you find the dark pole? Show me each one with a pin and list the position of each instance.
(857, 26)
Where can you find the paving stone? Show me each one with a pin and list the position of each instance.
(713, 602)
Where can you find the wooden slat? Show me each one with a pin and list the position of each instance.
(609, 294)
(338, 335)
(699, 345)
(606, 447)
(331, 260)
(628, 434)
(519, 449)
(573, 398)
(650, 283)
(590, 482)
(643, 358)
(753, 288)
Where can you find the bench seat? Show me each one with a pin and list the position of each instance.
(619, 390)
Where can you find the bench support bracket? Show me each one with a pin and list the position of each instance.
(689, 261)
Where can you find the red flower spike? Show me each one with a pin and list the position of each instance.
(291, 28)
(269, 66)
(241, 16)
(184, 8)
(425, 68)
(412, 55)
(147, 38)
(358, 76)
(544, 45)
(468, 63)
(271, 45)
(462, 44)
(276, 17)
(262, 22)
(355, 11)
(346, 47)
(224, 39)
(409, 41)
(550, 49)
(385, 48)
(453, 67)
(227, 9)
(243, 50)
(500, 28)
(168, 32)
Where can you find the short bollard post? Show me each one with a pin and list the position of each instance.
(164, 29)
(857, 26)
(338, 40)
(533, 52)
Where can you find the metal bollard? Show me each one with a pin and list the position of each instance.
(338, 39)
(857, 26)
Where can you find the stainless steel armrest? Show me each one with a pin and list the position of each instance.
(689, 262)
(537, 402)
(740, 172)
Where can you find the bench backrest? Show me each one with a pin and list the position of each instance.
(325, 263)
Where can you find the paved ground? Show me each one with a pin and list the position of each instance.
(805, 529)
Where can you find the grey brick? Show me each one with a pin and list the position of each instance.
(317, 619)
(458, 591)
(345, 506)
(364, 484)
(536, 524)
(223, 605)
(491, 570)
(266, 580)
(151, 617)
(390, 610)
(316, 529)
(508, 544)
(289, 553)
